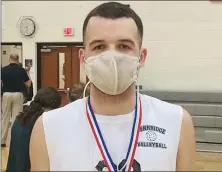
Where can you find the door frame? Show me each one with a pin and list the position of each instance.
(40, 45)
(12, 43)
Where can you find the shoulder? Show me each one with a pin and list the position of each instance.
(71, 109)
(19, 131)
(4, 68)
(161, 106)
(18, 125)
(166, 114)
(21, 69)
(165, 111)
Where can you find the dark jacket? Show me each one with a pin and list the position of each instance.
(18, 159)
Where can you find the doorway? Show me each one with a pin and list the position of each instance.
(10, 48)
(58, 66)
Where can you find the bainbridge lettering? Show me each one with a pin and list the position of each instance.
(153, 128)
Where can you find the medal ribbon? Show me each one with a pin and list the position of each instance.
(101, 143)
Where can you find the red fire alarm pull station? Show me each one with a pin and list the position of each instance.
(68, 31)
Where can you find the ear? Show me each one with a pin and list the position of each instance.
(81, 55)
(143, 56)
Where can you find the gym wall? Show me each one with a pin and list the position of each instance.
(183, 38)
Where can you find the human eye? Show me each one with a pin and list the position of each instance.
(124, 47)
(98, 47)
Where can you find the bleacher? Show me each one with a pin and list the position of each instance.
(206, 111)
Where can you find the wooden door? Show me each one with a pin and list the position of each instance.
(53, 65)
(56, 70)
(60, 69)
(49, 69)
(75, 67)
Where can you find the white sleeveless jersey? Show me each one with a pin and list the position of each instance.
(72, 147)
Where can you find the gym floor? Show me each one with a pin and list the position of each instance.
(204, 161)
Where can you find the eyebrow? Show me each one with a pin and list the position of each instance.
(127, 40)
(101, 41)
(96, 41)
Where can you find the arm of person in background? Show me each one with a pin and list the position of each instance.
(187, 145)
(38, 151)
(26, 79)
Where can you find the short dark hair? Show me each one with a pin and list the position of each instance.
(114, 10)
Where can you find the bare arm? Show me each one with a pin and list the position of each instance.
(187, 145)
(26, 78)
(28, 83)
(38, 151)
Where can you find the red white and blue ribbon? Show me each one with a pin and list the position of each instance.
(102, 145)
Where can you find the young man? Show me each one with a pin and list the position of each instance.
(115, 128)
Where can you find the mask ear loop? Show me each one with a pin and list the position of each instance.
(84, 92)
(137, 88)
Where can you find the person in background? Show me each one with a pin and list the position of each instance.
(28, 91)
(76, 92)
(28, 66)
(20, 64)
(46, 99)
(13, 78)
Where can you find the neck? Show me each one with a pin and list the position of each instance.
(113, 105)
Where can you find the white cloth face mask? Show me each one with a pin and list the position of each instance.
(112, 72)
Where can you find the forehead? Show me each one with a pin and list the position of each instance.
(111, 30)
